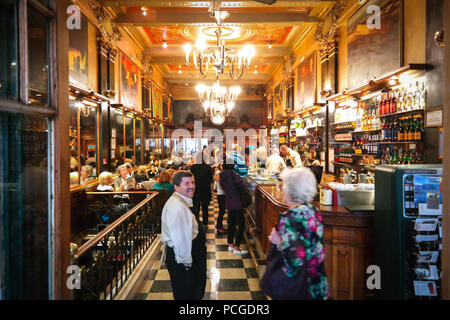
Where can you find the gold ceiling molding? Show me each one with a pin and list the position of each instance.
(106, 23)
(288, 66)
(229, 33)
(147, 69)
(325, 33)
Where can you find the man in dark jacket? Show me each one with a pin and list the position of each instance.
(203, 176)
(231, 183)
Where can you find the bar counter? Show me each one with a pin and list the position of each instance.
(348, 238)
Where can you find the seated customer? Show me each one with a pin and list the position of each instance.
(153, 172)
(106, 181)
(86, 174)
(124, 181)
(163, 182)
(141, 174)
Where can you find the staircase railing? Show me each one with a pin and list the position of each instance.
(107, 260)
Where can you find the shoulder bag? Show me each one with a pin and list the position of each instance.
(244, 194)
(276, 284)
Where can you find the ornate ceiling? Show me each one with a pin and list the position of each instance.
(274, 31)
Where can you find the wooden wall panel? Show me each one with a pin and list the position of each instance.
(92, 57)
(414, 31)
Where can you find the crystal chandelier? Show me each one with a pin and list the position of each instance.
(200, 59)
(217, 101)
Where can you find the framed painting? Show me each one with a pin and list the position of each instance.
(278, 101)
(306, 82)
(374, 50)
(78, 55)
(157, 104)
(129, 79)
(270, 108)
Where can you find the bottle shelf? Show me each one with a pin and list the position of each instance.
(401, 113)
(356, 166)
(393, 142)
(365, 131)
(341, 122)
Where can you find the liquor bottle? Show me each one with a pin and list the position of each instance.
(398, 107)
(411, 130)
(393, 104)
(401, 132)
(418, 134)
(395, 131)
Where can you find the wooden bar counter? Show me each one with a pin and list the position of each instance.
(348, 240)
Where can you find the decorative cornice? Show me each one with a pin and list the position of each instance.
(289, 64)
(106, 23)
(147, 67)
(327, 38)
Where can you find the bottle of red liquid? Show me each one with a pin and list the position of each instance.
(393, 103)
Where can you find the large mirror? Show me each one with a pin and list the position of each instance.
(83, 142)
(138, 140)
(116, 139)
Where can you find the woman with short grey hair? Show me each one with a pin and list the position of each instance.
(86, 173)
(299, 235)
(299, 185)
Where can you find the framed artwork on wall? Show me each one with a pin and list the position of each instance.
(78, 55)
(373, 51)
(129, 78)
(157, 104)
(278, 101)
(306, 95)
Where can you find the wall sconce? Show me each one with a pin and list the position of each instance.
(439, 38)
(326, 93)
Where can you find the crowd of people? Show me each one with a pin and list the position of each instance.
(184, 239)
(190, 186)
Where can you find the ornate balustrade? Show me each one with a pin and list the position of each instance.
(108, 259)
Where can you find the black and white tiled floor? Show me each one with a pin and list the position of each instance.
(230, 276)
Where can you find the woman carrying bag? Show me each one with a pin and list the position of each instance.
(295, 263)
(232, 185)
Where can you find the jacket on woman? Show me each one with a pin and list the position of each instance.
(231, 183)
(302, 247)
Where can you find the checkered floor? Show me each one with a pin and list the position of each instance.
(230, 276)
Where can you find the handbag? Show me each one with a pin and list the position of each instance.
(244, 195)
(276, 284)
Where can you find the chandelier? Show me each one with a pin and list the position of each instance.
(217, 101)
(201, 59)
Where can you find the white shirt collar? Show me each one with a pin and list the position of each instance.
(188, 200)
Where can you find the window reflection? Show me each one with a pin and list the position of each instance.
(38, 69)
(9, 64)
(138, 144)
(129, 140)
(116, 139)
(24, 206)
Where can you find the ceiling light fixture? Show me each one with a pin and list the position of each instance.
(217, 101)
(164, 44)
(144, 11)
(200, 58)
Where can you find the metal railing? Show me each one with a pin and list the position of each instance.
(107, 260)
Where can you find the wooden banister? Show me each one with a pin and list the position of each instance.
(105, 232)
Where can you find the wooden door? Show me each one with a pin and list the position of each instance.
(343, 272)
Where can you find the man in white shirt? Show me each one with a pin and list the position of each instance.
(261, 154)
(291, 155)
(185, 240)
(274, 162)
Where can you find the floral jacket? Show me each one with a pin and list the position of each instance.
(304, 247)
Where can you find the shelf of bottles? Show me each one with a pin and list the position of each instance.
(385, 128)
(306, 134)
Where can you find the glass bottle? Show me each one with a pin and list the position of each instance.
(393, 104)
